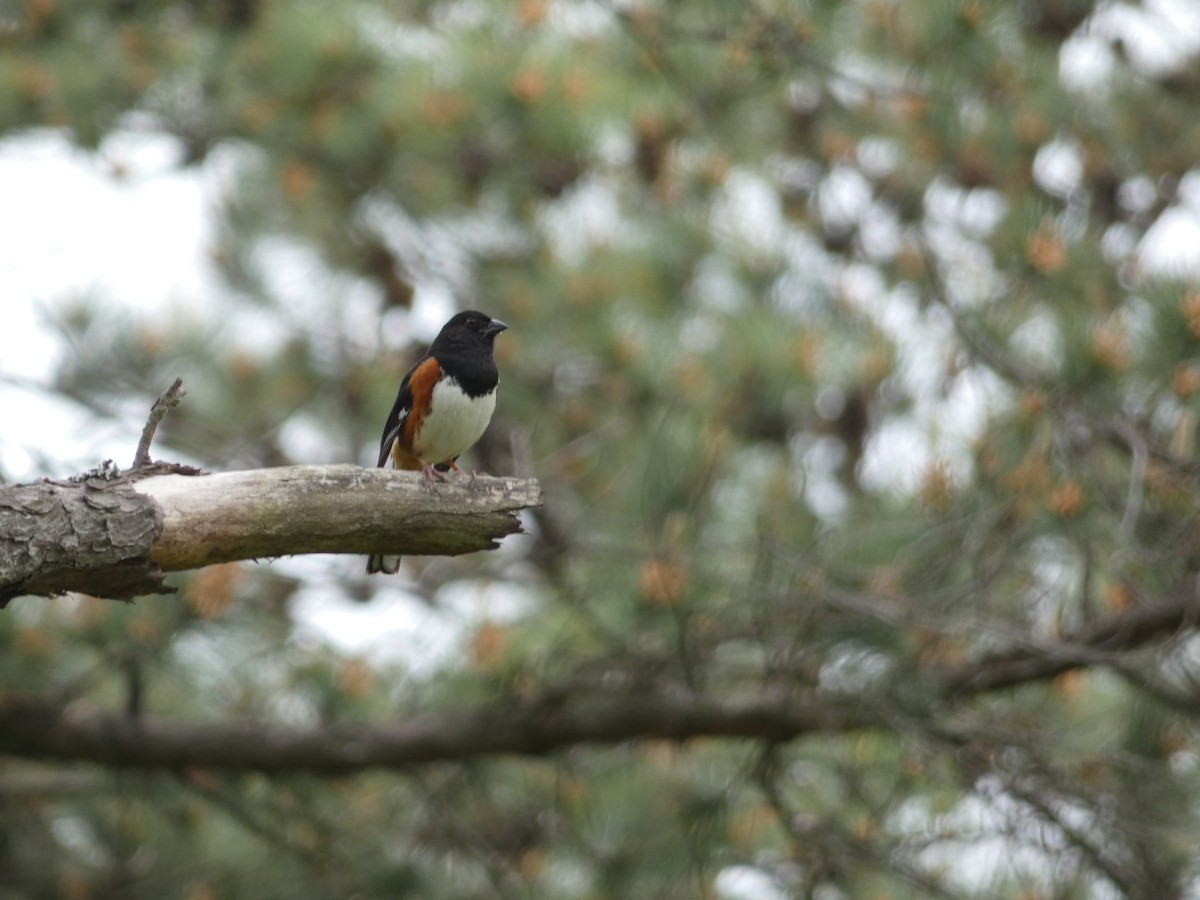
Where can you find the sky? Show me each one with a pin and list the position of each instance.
(73, 225)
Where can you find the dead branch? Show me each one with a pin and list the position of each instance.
(116, 535)
(169, 400)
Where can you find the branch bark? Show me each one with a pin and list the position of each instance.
(115, 535)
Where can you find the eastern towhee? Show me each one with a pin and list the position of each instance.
(444, 405)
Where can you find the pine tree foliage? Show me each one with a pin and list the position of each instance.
(840, 345)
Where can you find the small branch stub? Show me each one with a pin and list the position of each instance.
(169, 400)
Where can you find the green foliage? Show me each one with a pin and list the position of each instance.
(831, 389)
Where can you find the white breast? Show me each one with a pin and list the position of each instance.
(454, 423)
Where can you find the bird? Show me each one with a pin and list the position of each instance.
(444, 405)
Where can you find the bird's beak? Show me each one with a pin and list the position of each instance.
(494, 327)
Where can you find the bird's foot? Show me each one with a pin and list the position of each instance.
(474, 474)
(431, 475)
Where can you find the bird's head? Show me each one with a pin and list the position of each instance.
(469, 328)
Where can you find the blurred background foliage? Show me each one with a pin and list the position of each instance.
(843, 346)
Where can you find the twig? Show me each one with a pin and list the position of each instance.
(1137, 481)
(1097, 644)
(169, 399)
(830, 851)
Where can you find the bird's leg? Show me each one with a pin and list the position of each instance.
(431, 474)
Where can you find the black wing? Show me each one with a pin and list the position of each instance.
(398, 416)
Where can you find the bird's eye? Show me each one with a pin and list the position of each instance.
(472, 323)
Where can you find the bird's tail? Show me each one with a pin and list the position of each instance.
(378, 562)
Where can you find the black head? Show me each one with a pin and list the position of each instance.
(469, 328)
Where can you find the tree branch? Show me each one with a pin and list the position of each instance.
(1118, 632)
(45, 732)
(115, 535)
